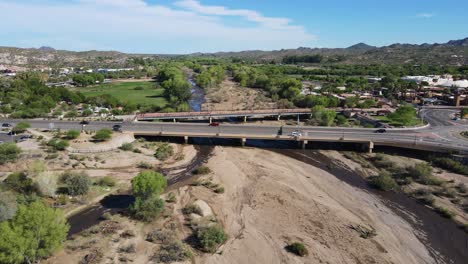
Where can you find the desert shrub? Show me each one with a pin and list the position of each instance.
(383, 162)
(461, 187)
(144, 165)
(8, 205)
(21, 127)
(103, 134)
(107, 181)
(175, 251)
(147, 209)
(210, 238)
(51, 156)
(444, 212)
(72, 134)
(298, 249)
(78, 183)
(164, 151)
(136, 150)
(126, 147)
(191, 209)
(106, 216)
(450, 165)
(425, 196)
(420, 170)
(128, 234)
(9, 152)
(160, 236)
(93, 257)
(171, 198)
(128, 248)
(219, 190)
(202, 170)
(46, 184)
(58, 144)
(383, 182)
(20, 182)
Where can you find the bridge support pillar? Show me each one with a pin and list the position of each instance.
(245, 119)
(186, 139)
(370, 146)
(174, 120)
(211, 119)
(279, 117)
(304, 143)
(243, 140)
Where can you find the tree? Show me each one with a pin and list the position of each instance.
(148, 183)
(163, 152)
(9, 152)
(46, 184)
(34, 233)
(103, 134)
(87, 112)
(77, 183)
(21, 127)
(8, 206)
(72, 134)
(464, 113)
(323, 116)
(404, 115)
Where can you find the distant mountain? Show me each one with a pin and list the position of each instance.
(453, 52)
(460, 42)
(361, 46)
(45, 48)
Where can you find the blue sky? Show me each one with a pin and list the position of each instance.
(185, 26)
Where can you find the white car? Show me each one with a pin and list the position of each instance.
(296, 134)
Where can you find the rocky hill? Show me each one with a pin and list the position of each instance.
(453, 52)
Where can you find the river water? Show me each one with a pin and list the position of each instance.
(198, 96)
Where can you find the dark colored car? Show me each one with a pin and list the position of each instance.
(382, 130)
(6, 125)
(214, 124)
(117, 127)
(84, 122)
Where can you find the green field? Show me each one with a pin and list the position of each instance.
(126, 92)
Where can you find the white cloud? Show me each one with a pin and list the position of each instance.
(425, 15)
(136, 26)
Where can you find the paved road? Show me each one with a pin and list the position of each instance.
(442, 134)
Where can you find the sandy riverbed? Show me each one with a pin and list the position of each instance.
(271, 200)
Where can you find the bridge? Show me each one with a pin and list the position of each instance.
(223, 114)
(421, 139)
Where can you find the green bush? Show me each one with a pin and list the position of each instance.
(164, 151)
(107, 181)
(9, 152)
(58, 144)
(420, 170)
(72, 134)
(78, 183)
(383, 182)
(444, 212)
(103, 134)
(202, 170)
(126, 147)
(144, 165)
(298, 249)
(210, 238)
(147, 209)
(219, 190)
(21, 127)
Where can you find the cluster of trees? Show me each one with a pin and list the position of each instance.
(85, 79)
(176, 87)
(302, 59)
(211, 77)
(9, 152)
(146, 187)
(404, 115)
(26, 96)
